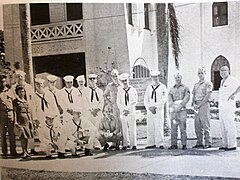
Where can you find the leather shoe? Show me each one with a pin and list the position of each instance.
(105, 147)
(150, 147)
(61, 155)
(134, 148)
(230, 149)
(222, 148)
(173, 147)
(184, 147)
(88, 152)
(161, 147)
(124, 147)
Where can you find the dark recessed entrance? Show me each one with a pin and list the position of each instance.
(61, 65)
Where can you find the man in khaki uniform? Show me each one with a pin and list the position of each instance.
(178, 97)
(200, 102)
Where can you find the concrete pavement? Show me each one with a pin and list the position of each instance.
(193, 162)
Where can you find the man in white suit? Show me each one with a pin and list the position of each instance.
(126, 100)
(154, 100)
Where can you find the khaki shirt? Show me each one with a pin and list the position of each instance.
(176, 93)
(201, 89)
(109, 124)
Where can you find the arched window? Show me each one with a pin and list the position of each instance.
(215, 70)
(220, 14)
(140, 69)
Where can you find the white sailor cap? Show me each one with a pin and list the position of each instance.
(39, 80)
(92, 76)
(20, 72)
(124, 76)
(202, 69)
(51, 78)
(68, 78)
(178, 73)
(114, 71)
(155, 73)
(80, 78)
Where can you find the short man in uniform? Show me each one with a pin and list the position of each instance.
(109, 129)
(126, 100)
(6, 118)
(229, 87)
(178, 97)
(154, 99)
(200, 102)
(20, 80)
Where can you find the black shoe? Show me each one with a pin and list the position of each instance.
(128, 146)
(61, 155)
(88, 152)
(173, 147)
(150, 147)
(184, 147)
(230, 149)
(4, 156)
(198, 146)
(33, 152)
(161, 147)
(117, 148)
(75, 155)
(134, 148)
(105, 148)
(222, 148)
(207, 146)
(97, 148)
(49, 157)
(124, 147)
(112, 147)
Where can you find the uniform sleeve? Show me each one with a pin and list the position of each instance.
(209, 87)
(186, 97)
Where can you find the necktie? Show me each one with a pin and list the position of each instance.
(52, 133)
(43, 102)
(78, 127)
(154, 93)
(94, 91)
(69, 96)
(55, 97)
(126, 95)
(80, 91)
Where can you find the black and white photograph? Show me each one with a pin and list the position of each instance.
(119, 90)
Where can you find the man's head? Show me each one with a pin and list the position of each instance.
(20, 76)
(92, 80)
(155, 76)
(68, 81)
(178, 78)
(108, 110)
(114, 75)
(49, 120)
(20, 91)
(201, 73)
(124, 78)
(51, 81)
(81, 81)
(39, 82)
(224, 72)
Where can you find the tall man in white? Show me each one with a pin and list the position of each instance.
(229, 87)
(154, 100)
(126, 100)
(20, 80)
(93, 106)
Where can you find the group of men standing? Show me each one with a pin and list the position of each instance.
(71, 117)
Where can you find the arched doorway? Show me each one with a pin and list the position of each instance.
(140, 69)
(215, 71)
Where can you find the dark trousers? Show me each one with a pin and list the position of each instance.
(7, 125)
(115, 139)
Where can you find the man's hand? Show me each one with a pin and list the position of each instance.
(95, 112)
(70, 111)
(153, 109)
(36, 123)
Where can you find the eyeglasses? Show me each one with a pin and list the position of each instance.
(92, 78)
(125, 80)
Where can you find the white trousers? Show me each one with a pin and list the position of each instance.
(129, 129)
(155, 128)
(228, 128)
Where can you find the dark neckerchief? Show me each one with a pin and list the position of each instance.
(154, 94)
(69, 95)
(43, 101)
(126, 95)
(92, 94)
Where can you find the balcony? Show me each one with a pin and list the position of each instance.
(57, 31)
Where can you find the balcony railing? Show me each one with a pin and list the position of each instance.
(54, 31)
